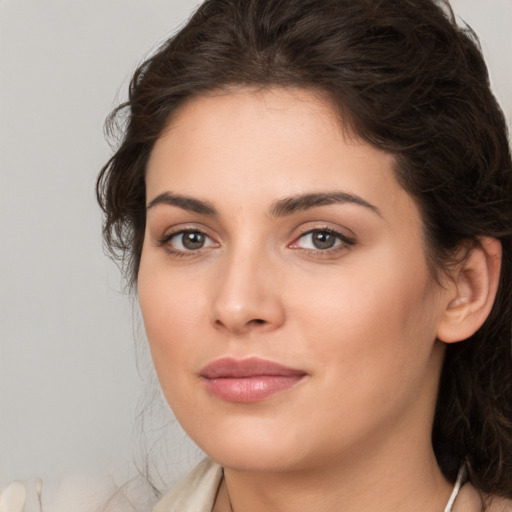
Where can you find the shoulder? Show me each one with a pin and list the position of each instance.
(196, 492)
(471, 499)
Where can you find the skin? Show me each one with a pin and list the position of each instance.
(360, 319)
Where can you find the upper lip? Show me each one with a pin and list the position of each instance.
(228, 367)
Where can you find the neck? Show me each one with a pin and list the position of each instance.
(365, 485)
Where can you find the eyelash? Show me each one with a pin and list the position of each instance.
(342, 242)
(165, 242)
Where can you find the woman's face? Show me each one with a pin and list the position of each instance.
(284, 287)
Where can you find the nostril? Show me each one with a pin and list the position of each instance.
(257, 321)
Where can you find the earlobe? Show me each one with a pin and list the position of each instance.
(472, 292)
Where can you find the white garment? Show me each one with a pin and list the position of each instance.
(196, 492)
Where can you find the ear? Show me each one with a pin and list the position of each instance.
(471, 292)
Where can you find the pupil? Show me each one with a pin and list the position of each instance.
(323, 240)
(193, 240)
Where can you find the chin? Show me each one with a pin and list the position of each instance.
(249, 446)
(271, 447)
(254, 459)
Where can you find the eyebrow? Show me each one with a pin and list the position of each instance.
(280, 208)
(290, 205)
(183, 202)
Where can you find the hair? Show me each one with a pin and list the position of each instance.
(405, 78)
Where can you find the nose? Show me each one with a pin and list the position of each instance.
(247, 295)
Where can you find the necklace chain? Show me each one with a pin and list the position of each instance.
(459, 482)
(227, 491)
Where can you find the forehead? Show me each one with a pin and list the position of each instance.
(246, 148)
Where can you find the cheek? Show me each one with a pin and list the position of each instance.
(374, 317)
(171, 310)
(372, 345)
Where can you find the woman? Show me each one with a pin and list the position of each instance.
(314, 200)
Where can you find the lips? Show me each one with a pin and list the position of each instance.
(248, 380)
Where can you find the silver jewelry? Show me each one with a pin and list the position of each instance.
(459, 482)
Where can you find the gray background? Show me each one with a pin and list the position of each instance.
(69, 383)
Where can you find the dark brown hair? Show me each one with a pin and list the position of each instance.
(406, 79)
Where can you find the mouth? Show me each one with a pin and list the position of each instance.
(248, 380)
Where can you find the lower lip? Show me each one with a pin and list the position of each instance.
(250, 389)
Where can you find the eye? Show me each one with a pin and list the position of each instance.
(321, 240)
(187, 241)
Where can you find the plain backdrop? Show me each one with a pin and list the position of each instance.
(69, 383)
